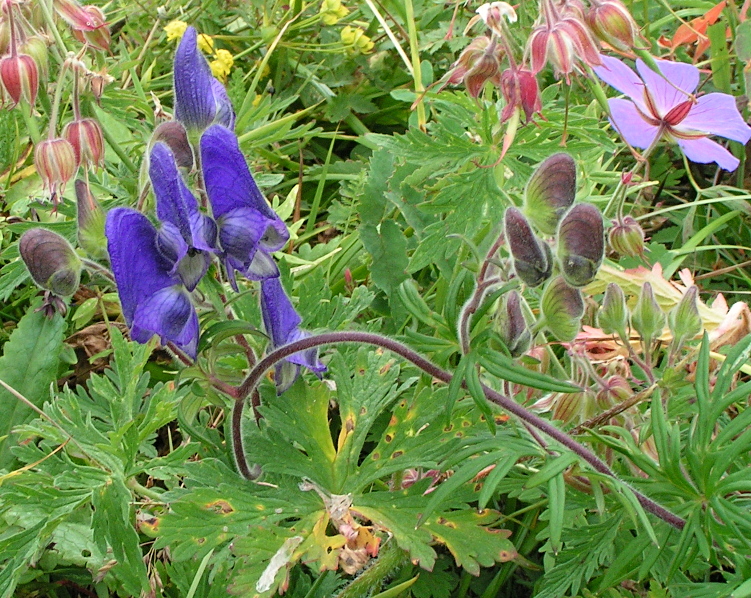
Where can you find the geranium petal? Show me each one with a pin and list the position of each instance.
(704, 151)
(169, 314)
(629, 122)
(195, 105)
(618, 75)
(716, 114)
(140, 269)
(680, 80)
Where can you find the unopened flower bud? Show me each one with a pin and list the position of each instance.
(85, 135)
(613, 24)
(647, 319)
(684, 320)
(561, 44)
(613, 316)
(626, 237)
(550, 192)
(55, 161)
(493, 14)
(79, 17)
(98, 37)
(98, 81)
(20, 77)
(511, 325)
(173, 134)
(52, 262)
(573, 407)
(581, 244)
(4, 36)
(36, 47)
(563, 307)
(479, 62)
(521, 91)
(91, 219)
(617, 389)
(533, 261)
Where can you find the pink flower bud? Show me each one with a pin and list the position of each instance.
(98, 37)
(520, 90)
(79, 17)
(55, 161)
(85, 135)
(626, 237)
(613, 24)
(20, 77)
(616, 390)
(98, 81)
(479, 62)
(561, 44)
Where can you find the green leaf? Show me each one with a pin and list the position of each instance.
(388, 248)
(19, 549)
(506, 369)
(29, 365)
(373, 201)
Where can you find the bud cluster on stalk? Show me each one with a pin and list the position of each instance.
(550, 215)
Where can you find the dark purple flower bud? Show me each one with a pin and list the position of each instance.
(52, 262)
(152, 297)
(187, 236)
(200, 99)
(249, 230)
(562, 307)
(550, 192)
(533, 261)
(173, 133)
(511, 325)
(90, 223)
(581, 244)
(282, 324)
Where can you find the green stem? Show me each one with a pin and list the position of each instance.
(52, 129)
(50, 21)
(414, 50)
(112, 142)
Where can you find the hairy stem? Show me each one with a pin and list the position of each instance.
(254, 377)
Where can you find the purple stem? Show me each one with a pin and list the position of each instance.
(254, 377)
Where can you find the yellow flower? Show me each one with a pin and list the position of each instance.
(356, 38)
(222, 64)
(175, 29)
(205, 43)
(332, 10)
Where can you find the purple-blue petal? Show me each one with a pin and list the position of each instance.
(679, 82)
(169, 314)
(225, 113)
(171, 244)
(204, 232)
(716, 114)
(704, 151)
(630, 123)
(174, 202)
(621, 77)
(195, 103)
(139, 267)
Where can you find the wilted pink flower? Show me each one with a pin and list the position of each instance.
(520, 90)
(666, 107)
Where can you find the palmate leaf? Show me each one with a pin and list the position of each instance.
(18, 548)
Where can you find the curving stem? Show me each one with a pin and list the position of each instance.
(329, 338)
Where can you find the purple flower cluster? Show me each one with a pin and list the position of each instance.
(156, 268)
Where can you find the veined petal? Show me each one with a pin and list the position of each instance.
(630, 123)
(225, 113)
(171, 244)
(618, 75)
(704, 151)
(170, 314)
(279, 317)
(203, 231)
(140, 269)
(261, 267)
(716, 114)
(681, 80)
(174, 202)
(240, 231)
(195, 105)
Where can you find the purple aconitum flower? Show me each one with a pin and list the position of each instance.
(249, 230)
(200, 99)
(187, 237)
(282, 324)
(152, 296)
(667, 107)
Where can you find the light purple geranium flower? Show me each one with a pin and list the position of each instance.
(282, 324)
(200, 99)
(187, 237)
(153, 298)
(249, 230)
(666, 107)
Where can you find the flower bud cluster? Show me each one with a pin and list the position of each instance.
(578, 232)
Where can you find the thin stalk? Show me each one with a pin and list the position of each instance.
(415, 54)
(256, 374)
(47, 14)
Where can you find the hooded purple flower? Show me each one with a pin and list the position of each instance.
(249, 230)
(282, 324)
(187, 236)
(200, 99)
(152, 296)
(666, 107)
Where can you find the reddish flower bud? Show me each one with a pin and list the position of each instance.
(561, 44)
(613, 24)
(520, 90)
(55, 161)
(173, 134)
(98, 81)
(79, 17)
(616, 390)
(479, 62)
(20, 77)
(626, 237)
(98, 37)
(85, 135)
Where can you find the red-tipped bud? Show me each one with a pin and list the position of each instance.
(79, 17)
(613, 24)
(562, 44)
(626, 237)
(55, 161)
(86, 137)
(520, 90)
(479, 62)
(98, 37)
(20, 77)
